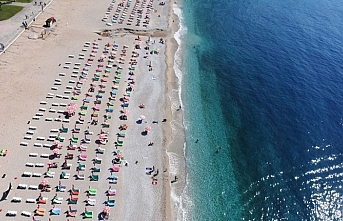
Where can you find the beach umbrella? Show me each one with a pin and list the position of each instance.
(102, 136)
(142, 117)
(56, 151)
(56, 142)
(44, 182)
(147, 128)
(106, 209)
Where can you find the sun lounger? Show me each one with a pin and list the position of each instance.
(69, 156)
(62, 74)
(36, 174)
(115, 169)
(16, 199)
(64, 175)
(80, 176)
(96, 169)
(27, 174)
(26, 213)
(38, 145)
(74, 139)
(66, 166)
(97, 160)
(35, 118)
(47, 145)
(39, 165)
(30, 200)
(73, 200)
(42, 200)
(33, 187)
(111, 192)
(110, 203)
(11, 213)
(61, 188)
(100, 150)
(75, 191)
(22, 186)
(52, 111)
(40, 138)
(24, 143)
(44, 155)
(50, 174)
(27, 137)
(30, 164)
(91, 202)
(88, 214)
(83, 157)
(43, 102)
(40, 211)
(92, 191)
(72, 212)
(66, 120)
(30, 132)
(94, 177)
(57, 200)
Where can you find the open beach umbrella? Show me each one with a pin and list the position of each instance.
(106, 209)
(44, 182)
(56, 151)
(142, 117)
(147, 128)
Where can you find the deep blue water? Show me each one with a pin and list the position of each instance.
(263, 93)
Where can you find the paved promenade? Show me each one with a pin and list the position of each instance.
(12, 28)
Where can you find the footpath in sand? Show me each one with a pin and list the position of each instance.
(72, 100)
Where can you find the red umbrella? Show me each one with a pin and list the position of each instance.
(147, 128)
(107, 209)
(44, 182)
(102, 136)
(56, 151)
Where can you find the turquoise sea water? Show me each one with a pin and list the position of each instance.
(262, 93)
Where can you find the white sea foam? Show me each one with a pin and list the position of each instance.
(180, 199)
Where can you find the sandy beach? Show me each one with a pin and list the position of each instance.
(107, 70)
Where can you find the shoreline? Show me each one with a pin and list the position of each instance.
(175, 149)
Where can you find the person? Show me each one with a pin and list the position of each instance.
(164, 120)
(136, 162)
(151, 143)
(197, 141)
(217, 151)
